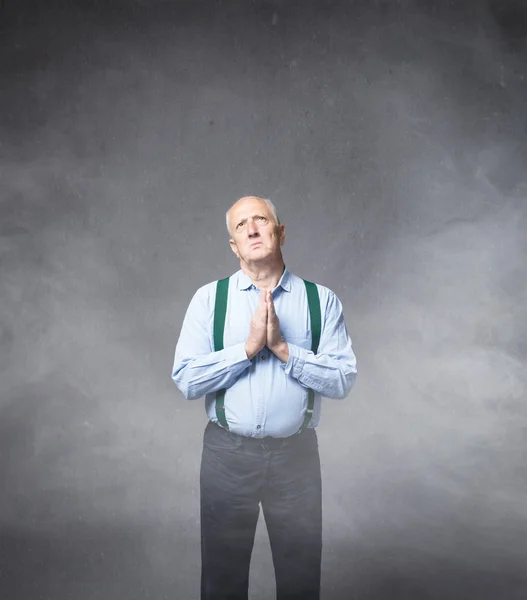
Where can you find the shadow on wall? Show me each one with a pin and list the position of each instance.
(398, 573)
(81, 516)
(82, 561)
(511, 17)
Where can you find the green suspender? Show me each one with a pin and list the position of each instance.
(220, 310)
(313, 301)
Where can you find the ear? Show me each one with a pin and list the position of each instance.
(234, 247)
(282, 234)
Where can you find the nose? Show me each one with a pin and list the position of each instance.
(251, 228)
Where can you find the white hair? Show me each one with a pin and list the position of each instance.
(270, 205)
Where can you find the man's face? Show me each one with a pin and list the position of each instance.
(256, 237)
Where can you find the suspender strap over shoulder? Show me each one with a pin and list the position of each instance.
(313, 301)
(220, 311)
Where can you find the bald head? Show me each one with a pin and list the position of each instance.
(246, 200)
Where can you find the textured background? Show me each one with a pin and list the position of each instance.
(392, 138)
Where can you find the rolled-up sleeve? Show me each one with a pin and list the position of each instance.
(333, 370)
(198, 369)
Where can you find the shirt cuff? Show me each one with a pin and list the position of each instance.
(236, 354)
(296, 361)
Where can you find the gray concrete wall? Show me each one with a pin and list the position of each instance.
(391, 137)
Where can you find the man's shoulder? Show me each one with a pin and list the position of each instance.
(323, 290)
(209, 289)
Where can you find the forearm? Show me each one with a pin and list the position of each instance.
(332, 377)
(196, 377)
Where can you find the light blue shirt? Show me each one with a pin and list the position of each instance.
(264, 396)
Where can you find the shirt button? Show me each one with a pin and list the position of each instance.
(263, 357)
(258, 427)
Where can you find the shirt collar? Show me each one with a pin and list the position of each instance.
(245, 282)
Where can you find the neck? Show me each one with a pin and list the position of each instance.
(264, 276)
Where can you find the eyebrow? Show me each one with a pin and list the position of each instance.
(253, 216)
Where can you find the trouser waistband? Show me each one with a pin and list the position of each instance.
(268, 441)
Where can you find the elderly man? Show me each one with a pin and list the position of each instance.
(263, 346)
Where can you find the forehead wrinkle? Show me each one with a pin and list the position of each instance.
(253, 216)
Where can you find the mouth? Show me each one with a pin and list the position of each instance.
(255, 244)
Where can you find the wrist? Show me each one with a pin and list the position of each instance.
(250, 351)
(281, 350)
(278, 346)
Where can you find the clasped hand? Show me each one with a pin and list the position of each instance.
(265, 328)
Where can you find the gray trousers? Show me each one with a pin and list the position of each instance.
(237, 475)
